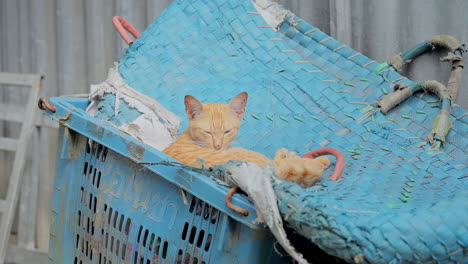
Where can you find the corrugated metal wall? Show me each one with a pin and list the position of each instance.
(73, 43)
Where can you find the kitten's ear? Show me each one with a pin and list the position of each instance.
(193, 107)
(238, 103)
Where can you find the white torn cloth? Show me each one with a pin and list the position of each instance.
(256, 182)
(271, 12)
(156, 126)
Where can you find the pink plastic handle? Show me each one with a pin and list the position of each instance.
(329, 151)
(123, 27)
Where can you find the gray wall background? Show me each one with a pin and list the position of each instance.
(73, 43)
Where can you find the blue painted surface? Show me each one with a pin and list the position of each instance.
(110, 206)
(394, 203)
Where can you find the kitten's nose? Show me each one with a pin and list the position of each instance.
(217, 147)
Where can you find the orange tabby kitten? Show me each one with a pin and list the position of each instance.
(211, 130)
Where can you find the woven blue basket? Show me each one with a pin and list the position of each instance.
(396, 202)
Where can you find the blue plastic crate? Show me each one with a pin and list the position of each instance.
(110, 207)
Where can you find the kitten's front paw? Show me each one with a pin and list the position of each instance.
(281, 154)
(324, 161)
(284, 154)
(302, 171)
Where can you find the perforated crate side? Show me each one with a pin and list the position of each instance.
(108, 209)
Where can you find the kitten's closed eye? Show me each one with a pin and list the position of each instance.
(206, 131)
(227, 131)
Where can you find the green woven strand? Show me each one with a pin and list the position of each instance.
(349, 84)
(366, 109)
(380, 67)
(408, 190)
(298, 119)
(269, 117)
(284, 118)
(254, 116)
(420, 112)
(314, 117)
